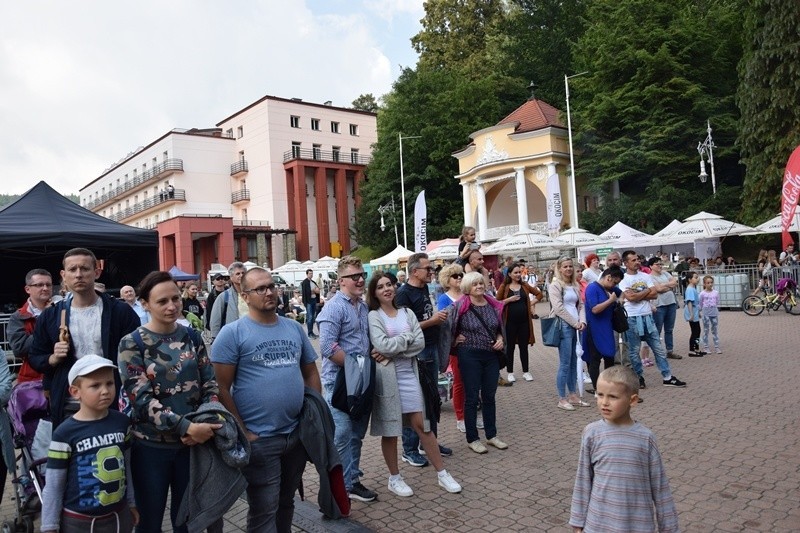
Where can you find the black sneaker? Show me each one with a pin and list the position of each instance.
(642, 384)
(672, 355)
(414, 459)
(363, 494)
(696, 354)
(444, 451)
(674, 382)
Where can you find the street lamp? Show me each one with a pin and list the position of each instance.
(383, 209)
(403, 188)
(573, 195)
(706, 148)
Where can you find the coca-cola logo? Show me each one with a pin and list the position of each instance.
(791, 193)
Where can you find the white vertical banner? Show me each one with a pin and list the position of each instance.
(420, 224)
(555, 207)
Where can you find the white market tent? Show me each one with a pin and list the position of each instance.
(621, 235)
(290, 266)
(392, 258)
(672, 226)
(705, 225)
(326, 263)
(773, 225)
(444, 249)
(524, 240)
(578, 237)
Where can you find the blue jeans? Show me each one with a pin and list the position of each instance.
(567, 376)
(643, 327)
(156, 470)
(429, 357)
(273, 475)
(311, 315)
(479, 372)
(664, 317)
(347, 438)
(710, 322)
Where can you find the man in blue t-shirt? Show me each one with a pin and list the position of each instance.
(415, 295)
(262, 363)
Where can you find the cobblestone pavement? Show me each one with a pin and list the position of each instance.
(729, 441)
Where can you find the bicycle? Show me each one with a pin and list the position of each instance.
(755, 305)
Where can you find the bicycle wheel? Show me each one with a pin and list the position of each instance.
(791, 305)
(753, 305)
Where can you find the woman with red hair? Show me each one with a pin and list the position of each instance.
(593, 270)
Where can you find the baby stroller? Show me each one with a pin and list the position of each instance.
(26, 408)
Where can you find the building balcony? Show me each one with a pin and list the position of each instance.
(251, 223)
(178, 195)
(139, 181)
(242, 195)
(240, 167)
(335, 156)
(498, 232)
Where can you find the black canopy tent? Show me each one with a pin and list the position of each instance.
(41, 225)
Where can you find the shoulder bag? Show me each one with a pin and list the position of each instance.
(551, 327)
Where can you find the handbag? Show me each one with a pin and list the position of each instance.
(551, 330)
(619, 319)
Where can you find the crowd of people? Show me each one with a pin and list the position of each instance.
(134, 389)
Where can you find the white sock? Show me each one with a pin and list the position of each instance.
(394, 477)
(442, 472)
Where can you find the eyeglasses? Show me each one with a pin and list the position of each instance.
(41, 285)
(262, 290)
(428, 268)
(356, 277)
(456, 276)
(224, 278)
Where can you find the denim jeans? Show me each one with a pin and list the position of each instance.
(311, 315)
(710, 322)
(664, 318)
(347, 438)
(643, 327)
(479, 372)
(155, 471)
(567, 376)
(273, 475)
(429, 359)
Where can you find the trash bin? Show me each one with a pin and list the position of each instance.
(732, 288)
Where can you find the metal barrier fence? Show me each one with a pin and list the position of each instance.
(13, 364)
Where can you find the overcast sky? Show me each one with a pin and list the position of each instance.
(83, 83)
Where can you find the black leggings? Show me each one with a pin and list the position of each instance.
(517, 334)
(694, 338)
(595, 358)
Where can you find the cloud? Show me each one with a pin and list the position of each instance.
(87, 83)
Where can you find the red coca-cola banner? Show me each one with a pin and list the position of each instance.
(791, 193)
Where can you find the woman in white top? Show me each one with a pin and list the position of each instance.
(565, 298)
(397, 338)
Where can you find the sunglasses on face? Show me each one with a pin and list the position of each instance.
(356, 277)
(262, 290)
(428, 268)
(456, 276)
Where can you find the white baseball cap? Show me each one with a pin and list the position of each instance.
(86, 365)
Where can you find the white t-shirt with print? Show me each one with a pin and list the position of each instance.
(637, 282)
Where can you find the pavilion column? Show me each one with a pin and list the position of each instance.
(522, 198)
(342, 212)
(482, 215)
(467, 204)
(301, 213)
(321, 198)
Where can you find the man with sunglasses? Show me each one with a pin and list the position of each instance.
(416, 296)
(228, 306)
(39, 287)
(218, 282)
(266, 360)
(343, 331)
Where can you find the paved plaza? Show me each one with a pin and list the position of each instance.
(730, 442)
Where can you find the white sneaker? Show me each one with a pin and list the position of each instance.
(478, 423)
(399, 487)
(449, 484)
(461, 426)
(527, 376)
(511, 378)
(587, 380)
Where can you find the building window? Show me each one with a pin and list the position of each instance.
(334, 127)
(317, 151)
(353, 129)
(126, 178)
(165, 155)
(155, 162)
(315, 124)
(294, 121)
(229, 133)
(336, 151)
(241, 155)
(295, 149)
(354, 155)
(240, 132)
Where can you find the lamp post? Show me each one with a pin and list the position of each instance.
(383, 209)
(403, 188)
(573, 195)
(706, 148)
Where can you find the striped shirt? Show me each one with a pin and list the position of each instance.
(342, 325)
(621, 485)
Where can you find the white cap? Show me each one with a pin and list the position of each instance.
(86, 365)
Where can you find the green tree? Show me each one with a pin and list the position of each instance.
(768, 97)
(657, 72)
(443, 108)
(365, 102)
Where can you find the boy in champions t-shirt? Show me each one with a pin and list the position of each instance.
(88, 483)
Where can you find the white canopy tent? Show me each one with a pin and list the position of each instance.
(326, 263)
(621, 235)
(392, 258)
(289, 266)
(578, 237)
(704, 225)
(773, 225)
(524, 240)
(444, 249)
(672, 226)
